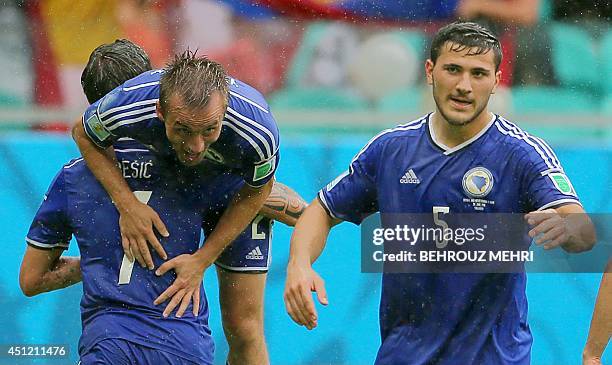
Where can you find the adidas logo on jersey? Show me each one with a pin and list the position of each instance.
(255, 254)
(410, 178)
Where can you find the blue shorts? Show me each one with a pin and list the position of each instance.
(116, 351)
(251, 251)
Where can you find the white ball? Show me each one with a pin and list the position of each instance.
(383, 64)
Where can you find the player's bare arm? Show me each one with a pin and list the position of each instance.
(283, 205)
(136, 219)
(45, 270)
(190, 268)
(307, 243)
(601, 324)
(567, 226)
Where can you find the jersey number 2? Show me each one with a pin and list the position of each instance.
(125, 272)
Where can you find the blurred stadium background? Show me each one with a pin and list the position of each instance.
(335, 73)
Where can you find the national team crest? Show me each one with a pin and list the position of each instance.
(213, 155)
(478, 182)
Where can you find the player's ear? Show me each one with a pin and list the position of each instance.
(497, 80)
(429, 65)
(159, 111)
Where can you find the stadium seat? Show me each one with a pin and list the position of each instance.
(316, 98)
(407, 100)
(552, 100)
(316, 35)
(605, 56)
(606, 105)
(574, 57)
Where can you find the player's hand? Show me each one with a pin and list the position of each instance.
(136, 223)
(301, 281)
(548, 227)
(185, 288)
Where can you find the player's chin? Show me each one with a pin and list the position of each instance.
(459, 118)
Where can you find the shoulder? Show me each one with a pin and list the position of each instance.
(246, 104)
(398, 134)
(526, 146)
(249, 119)
(244, 95)
(136, 98)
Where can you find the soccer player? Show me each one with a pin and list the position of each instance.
(242, 268)
(464, 159)
(601, 324)
(180, 114)
(121, 325)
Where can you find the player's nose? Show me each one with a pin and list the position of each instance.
(196, 144)
(465, 84)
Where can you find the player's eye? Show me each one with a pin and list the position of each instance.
(452, 69)
(210, 130)
(479, 74)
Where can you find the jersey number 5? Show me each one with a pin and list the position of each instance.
(125, 272)
(442, 242)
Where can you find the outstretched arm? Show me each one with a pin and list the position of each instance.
(283, 205)
(45, 270)
(601, 324)
(567, 226)
(307, 243)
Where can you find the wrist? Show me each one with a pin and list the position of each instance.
(296, 262)
(124, 202)
(592, 349)
(203, 259)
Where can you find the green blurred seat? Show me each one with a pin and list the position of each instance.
(605, 56)
(9, 100)
(606, 105)
(406, 100)
(574, 57)
(531, 99)
(316, 98)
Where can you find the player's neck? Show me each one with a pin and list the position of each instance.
(453, 135)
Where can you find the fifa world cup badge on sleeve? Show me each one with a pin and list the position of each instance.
(97, 128)
(265, 169)
(562, 183)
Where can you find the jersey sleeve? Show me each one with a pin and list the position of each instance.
(50, 227)
(249, 117)
(120, 114)
(352, 196)
(545, 183)
(259, 173)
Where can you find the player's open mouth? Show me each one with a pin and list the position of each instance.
(460, 103)
(191, 156)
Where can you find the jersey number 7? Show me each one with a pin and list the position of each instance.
(125, 272)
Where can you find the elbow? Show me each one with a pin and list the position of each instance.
(584, 246)
(29, 285)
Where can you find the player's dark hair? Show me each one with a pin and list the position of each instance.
(466, 35)
(110, 65)
(193, 79)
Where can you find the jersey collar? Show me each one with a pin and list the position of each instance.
(447, 150)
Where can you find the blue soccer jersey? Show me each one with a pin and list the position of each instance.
(118, 296)
(248, 144)
(451, 318)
